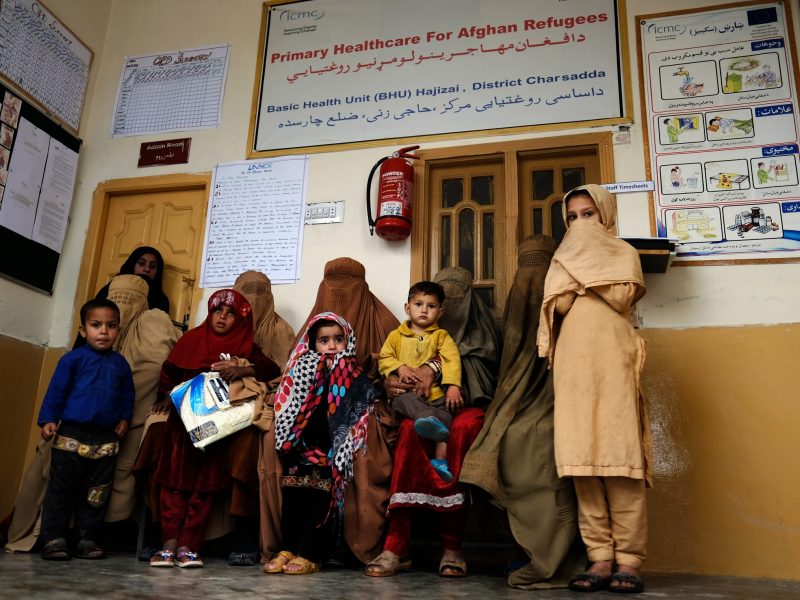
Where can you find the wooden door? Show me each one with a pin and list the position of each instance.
(467, 200)
(168, 218)
(544, 179)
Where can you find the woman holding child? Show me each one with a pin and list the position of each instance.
(416, 483)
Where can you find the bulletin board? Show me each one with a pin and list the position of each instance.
(720, 116)
(31, 255)
(337, 73)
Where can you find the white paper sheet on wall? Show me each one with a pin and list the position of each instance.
(255, 220)
(171, 91)
(55, 199)
(24, 182)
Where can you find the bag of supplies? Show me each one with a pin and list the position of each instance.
(206, 410)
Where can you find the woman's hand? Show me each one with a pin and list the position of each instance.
(233, 373)
(394, 386)
(424, 381)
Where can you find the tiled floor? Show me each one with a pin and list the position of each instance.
(122, 576)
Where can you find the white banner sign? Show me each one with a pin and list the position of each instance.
(337, 71)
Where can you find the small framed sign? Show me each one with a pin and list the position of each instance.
(164, 152)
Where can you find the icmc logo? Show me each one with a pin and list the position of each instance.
(296, 15)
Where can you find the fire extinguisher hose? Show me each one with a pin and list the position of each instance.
(372, 222)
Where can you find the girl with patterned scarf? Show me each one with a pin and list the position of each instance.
(322, 407)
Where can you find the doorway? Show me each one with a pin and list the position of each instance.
(166, 212)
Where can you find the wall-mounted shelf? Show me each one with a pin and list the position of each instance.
(656, 254)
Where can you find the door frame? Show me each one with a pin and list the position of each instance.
(101, 199)
(509, 151)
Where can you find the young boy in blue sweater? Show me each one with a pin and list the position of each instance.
(87, 407)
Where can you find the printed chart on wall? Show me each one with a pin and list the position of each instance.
(255, 220)
(721, 113)
(348, 71)
(44, 58)
(171, 91)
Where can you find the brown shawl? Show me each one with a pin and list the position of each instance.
(512, 458)
(474, 329)
(272, 334)
(145, 340)
(597, 357)
(344, 291)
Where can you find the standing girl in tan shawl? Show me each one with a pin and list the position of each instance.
(602, 438)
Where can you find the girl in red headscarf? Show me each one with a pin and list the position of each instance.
(188, 477)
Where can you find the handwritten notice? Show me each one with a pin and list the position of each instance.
(721, 113)
(171, 91)
(338, 71)
(40, 55)
(255, 220)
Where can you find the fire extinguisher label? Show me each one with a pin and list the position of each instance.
(391, 209)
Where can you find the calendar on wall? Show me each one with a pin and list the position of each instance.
(43, 58)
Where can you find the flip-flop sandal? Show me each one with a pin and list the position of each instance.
(457, 568)
(278, 562)
(387, 565)
(186, 559)
(56, 549)
(163, 558)
(306, 566)
(637, 585)
(596, 582)
(89, 550)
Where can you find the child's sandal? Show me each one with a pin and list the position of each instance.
(186, 559)
(163, 558)
(304, 566)
(278, 562)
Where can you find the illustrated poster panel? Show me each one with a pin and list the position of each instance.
(339, 71)
(721, 108)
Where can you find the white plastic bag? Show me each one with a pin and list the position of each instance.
(205, 409)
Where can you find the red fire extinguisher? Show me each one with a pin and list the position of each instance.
(395, 194)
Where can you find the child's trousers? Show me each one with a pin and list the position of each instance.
(411, 406)
(612, 517)
(81, 471)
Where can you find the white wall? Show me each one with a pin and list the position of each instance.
(683, 297)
